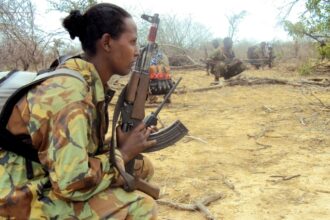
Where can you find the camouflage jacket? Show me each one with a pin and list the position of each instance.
(257, 52)
(221, 54)
(65, 119)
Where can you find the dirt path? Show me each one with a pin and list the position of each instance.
(266, 148)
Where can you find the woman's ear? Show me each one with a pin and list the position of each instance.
(106, 42)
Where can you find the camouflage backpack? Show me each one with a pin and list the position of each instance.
(13, 86)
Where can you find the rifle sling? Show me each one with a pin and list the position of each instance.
(129, 182)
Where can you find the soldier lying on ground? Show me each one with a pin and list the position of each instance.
(223, 61)
(65, 120)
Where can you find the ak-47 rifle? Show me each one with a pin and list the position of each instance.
(131, 107)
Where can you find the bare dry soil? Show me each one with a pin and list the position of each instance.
(264, 148)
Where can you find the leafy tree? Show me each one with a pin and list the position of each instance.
(314, 23)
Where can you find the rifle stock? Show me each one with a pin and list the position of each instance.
(147, 188)
(134, 183)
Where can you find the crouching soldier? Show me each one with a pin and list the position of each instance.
(224, 63)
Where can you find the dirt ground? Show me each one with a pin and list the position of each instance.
(265, 148)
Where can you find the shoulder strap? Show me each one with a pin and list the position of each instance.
(129, 181)
(9, 141)
(19, 93)
(7, 75)
(59, 72)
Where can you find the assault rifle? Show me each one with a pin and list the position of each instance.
(131, 108)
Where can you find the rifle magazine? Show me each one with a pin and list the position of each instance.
(167, 136)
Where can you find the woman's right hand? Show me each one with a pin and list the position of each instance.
(131, 143)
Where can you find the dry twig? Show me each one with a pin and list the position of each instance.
(268, 109)
(284, 178)
(196, 138)
(197, 205)
(264, 145)
(322, 191)
(324, 105)
(302, 121)
(228, 183)
(261, 133)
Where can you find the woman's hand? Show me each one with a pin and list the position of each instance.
(153, 129)
(131, 143)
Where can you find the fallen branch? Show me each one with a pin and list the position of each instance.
(313, 82)
(199, 89)
(199, 205)
(241, 81)
(249, 81)
(193, 66)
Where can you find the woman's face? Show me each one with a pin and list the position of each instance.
(124, 50)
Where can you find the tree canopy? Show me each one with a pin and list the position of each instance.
(314, 21)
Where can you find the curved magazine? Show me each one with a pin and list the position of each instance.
(167, 136)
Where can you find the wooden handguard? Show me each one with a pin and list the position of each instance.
(138, 111)
(132, 87)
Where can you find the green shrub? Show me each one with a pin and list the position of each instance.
(306, 69)
(324, 51)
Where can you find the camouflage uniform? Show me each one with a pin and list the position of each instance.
(65, 119)
(224, 64)
(260, 55)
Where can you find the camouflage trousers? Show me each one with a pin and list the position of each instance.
(114, 203)
(227, 70)
(117, 204)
